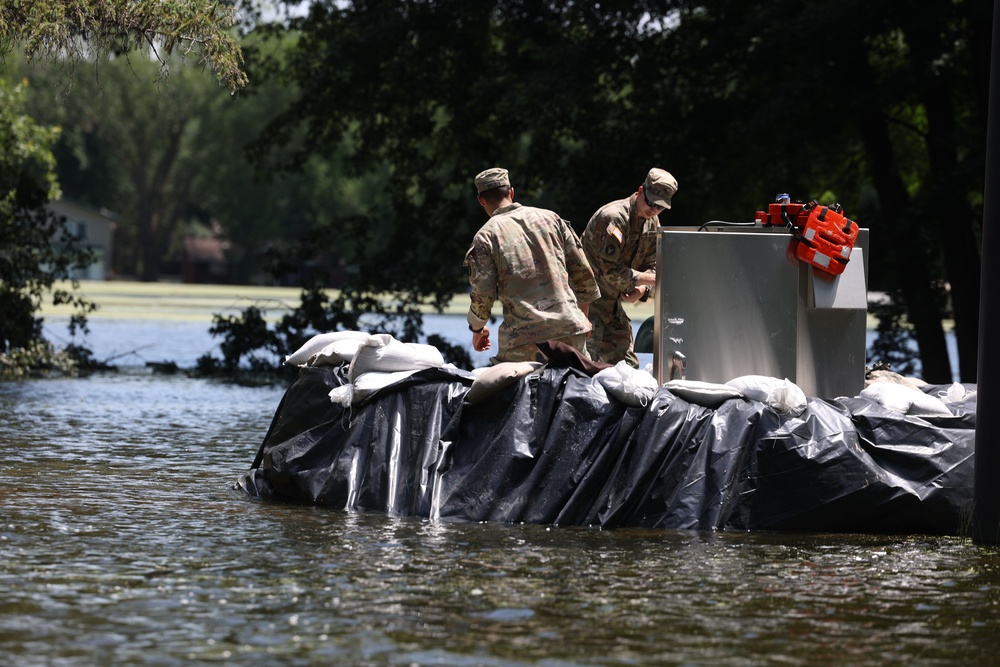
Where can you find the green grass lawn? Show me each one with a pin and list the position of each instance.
(181, 301)
(176, 301)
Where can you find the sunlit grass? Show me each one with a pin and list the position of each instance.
(195, 302)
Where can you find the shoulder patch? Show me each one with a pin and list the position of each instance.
(616, 232)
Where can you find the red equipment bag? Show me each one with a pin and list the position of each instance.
(780, 214)
(824, 237)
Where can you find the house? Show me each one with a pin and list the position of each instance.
(96, 229)
(206, 260)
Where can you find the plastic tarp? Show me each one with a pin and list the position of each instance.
(554, 448)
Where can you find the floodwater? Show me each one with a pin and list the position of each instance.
(134, 342)
(122, 542)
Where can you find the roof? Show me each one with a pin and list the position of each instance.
(205, 250)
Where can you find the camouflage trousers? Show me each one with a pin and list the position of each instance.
(530, 352)
(611, 340)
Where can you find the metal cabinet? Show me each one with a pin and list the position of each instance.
(730, 302)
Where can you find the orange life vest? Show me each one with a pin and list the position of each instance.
(821, 235)
(824, 237)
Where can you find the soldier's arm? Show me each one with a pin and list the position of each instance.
(483, 279)
(581, 274)
(603, 243)
(646, 252)
(646, 262)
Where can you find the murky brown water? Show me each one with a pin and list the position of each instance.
(123, 543)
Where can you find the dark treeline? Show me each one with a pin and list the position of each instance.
(355, 144)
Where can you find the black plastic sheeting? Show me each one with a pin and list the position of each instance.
(554, 449)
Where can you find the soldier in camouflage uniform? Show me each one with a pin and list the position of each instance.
(532, 260)
(620, 242)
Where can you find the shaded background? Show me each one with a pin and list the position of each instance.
(348, 159)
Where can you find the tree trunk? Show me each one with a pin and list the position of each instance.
(949, 209)
(905, 253)
(946, 209)
(152, 183)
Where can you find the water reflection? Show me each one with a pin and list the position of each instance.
(122, 542)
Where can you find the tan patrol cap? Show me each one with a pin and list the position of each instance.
(659, 187)
(492, 178)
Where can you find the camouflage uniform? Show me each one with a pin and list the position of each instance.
(619, 246)
(533, 262)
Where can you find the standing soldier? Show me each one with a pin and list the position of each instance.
(620, 242)
(532, 260)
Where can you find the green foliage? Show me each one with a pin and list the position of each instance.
(36, 249)
(36, 359)
(889, 124)
(250, 347)
(371, 118)
(247, 344)
(444, 90)
(883, 108)
(138, 147)
(143, 135)
(80, 29)
(170, 159)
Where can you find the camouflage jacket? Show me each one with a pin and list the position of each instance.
(532, 261)
(619, 247)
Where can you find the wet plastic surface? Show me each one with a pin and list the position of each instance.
(555, 449)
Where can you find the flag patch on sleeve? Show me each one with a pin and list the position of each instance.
(616, 232)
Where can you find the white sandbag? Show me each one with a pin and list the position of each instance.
(318, 342)
(907, 400)
(708, 394)
(783, 396)
(336, 353)
(955, 393)
(367, 384)
(492, 379)
(890, 376)
(382, 353)
(629, 385)
(342, 395)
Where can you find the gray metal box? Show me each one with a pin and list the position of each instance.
(729, 302)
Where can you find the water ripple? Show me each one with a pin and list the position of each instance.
(122, 542)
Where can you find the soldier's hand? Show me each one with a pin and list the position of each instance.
(481, 340)
(634, 295)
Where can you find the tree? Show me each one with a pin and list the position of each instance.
(740, 100)
(263, 208)
(172, 161)
(80, 29)
(151, 137)
(35, 248)
(446, 89)
(70, 29)
(887, 112)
